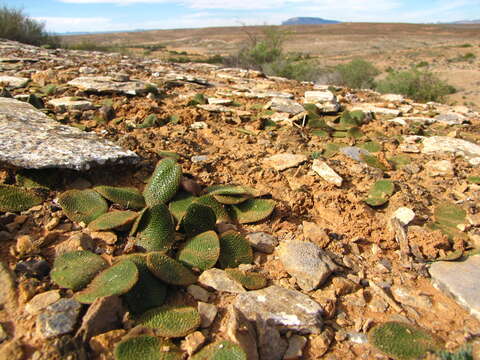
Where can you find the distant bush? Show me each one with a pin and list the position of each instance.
(467, 57)
(465, 46)
(265, 53)
(16, 26)
(418, 85)
(358, 74)
(422, 64)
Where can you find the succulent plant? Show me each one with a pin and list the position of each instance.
(169, 270)
(447, 217)
(371, 146)
(198, 219)
(248, 279)
(373, 161)
(179, 204)
(149, 292)
(252, 210)
(234, 250)
(31, 179)
(399, 161)
(116, 280)
(358, 115)
(15, 199)
(82, 205)
(230, 194)
(402, 341)
(127, 197)
(113, 220)
(156, 229)
(380, 193)
(171, 321)
(221, 350)
(74, 270)
(218, 208)
(201, 251)
(146, 347)
(474, 179)
(164, 182)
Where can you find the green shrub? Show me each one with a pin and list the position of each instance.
(358, 74)
(418, 85)
(16, 26)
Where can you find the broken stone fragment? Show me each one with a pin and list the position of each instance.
(326, 172)
(219, 101)
(445, 144)
(14, 82)
(296, 343)
(71, 103)
(241, 332)
(451, 118)
(207, 312)
(404, 215)
(316, 234)
(439, 168)
(220, 281)
(58, 319)
(461, 280)
(325, 100)
(286, 106)
(107, 84)
(30, 139)
(262, 241)
(271, 345)
(285, 161)
(392, 97)
(7, 284)
(307, 262)
(41, 301)
(285, 309)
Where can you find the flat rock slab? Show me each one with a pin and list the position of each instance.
(445, 144)
(30, 139)
(286, 106)
(285, 161)
(14, 82)
(71, 103)
(58, 318)
(310, 265)
(326, 172)
(283, 308)
(107, 84)
(461, 280)
(220, 281)
(324, 100)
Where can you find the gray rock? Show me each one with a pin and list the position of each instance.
(324, 100)
(271, 346)
(326, 172)
(241, 332)
(219, 101)
(307, 262)
(409, 297)
(285, 161)
(103, 315)
(263, 242)
(439, 168)
(357, 338)
(296, 343)
(199, 158)
(353, 152)
(7, 284)
(450, 118)
(207, 312)
(14, 82)
(107, 84)
(30, 139)
(284, 308)
(58, 319)
(41, 301)
(445, 144)
(286, 106)
(404, 215)
(220, 281)
(460, 279)
(372, 108)
(70, 103)
(198, 293)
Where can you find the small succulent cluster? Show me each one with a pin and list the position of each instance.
(347, 125)
(15, 198)
(143, 278)
(447, 217)
(380, 192)
(402, 341)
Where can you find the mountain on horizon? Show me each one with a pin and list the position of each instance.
(309, 21)
(462, 22)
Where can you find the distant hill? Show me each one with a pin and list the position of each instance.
(466, 22)
(308, 21)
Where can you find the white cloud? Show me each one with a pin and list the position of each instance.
(74, 24)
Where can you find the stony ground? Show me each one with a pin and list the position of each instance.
(361, 265)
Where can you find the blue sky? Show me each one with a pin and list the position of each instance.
(109, 15)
